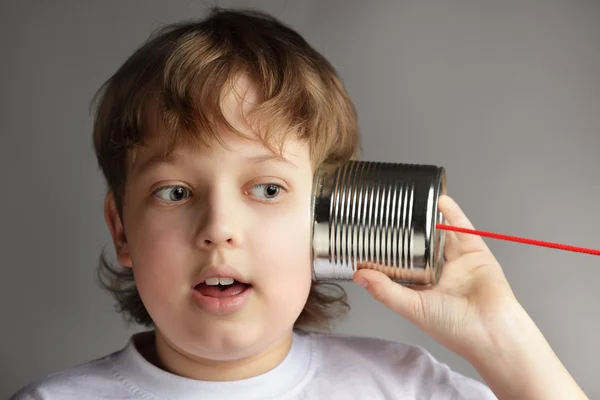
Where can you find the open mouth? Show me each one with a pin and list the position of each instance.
(221, 287)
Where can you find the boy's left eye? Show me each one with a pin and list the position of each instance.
(267, 191)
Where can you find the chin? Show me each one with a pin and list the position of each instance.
(222, 342)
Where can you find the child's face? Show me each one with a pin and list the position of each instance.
(238, 207)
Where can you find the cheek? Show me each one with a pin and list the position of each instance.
(158, 261)
(158, 237)
(281, 236)
(281, 246)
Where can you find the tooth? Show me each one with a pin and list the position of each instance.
(225, 281)
(212, 281)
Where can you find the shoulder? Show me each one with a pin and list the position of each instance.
(79, 382)
(370, 349)
(395, 365)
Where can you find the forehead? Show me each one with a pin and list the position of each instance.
(230, 124)
(294, 154)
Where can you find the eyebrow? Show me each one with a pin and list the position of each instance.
(172, 158)
(156, 159)
(270, 157)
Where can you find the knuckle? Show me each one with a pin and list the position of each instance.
(381, 294)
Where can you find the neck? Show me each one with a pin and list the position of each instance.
(171, 359)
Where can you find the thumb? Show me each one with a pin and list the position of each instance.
(403, 300)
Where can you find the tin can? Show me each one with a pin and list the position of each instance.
(380, 216)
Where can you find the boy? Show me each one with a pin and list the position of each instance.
(208, 137)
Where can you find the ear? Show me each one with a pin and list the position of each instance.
(115, 226)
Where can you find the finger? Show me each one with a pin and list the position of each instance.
(456, 217)
(451, 247)
(402, 300)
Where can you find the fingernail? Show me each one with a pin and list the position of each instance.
(362, 282)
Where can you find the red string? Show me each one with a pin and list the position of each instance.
(519, 240)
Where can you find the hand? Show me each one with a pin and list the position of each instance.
(471, 295)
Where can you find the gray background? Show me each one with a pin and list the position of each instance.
(504, 94)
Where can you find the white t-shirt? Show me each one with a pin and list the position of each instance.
(318, 366)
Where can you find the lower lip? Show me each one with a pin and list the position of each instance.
(222, 305)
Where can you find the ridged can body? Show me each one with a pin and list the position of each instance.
(380, 216)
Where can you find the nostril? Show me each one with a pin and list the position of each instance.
(208, 242)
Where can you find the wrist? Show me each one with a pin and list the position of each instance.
(516, 361)
(505, 333)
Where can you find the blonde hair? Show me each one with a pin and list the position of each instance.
(185, 68)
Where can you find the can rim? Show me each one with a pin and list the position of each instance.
(436, 256)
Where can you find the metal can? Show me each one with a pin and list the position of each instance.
(379, 216)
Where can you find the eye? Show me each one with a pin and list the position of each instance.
(172, 193)
(267, 191)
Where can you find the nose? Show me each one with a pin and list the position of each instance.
(220, 227)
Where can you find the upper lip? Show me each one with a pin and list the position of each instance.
(219, 271)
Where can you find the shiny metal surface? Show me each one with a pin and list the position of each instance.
(381, 216)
